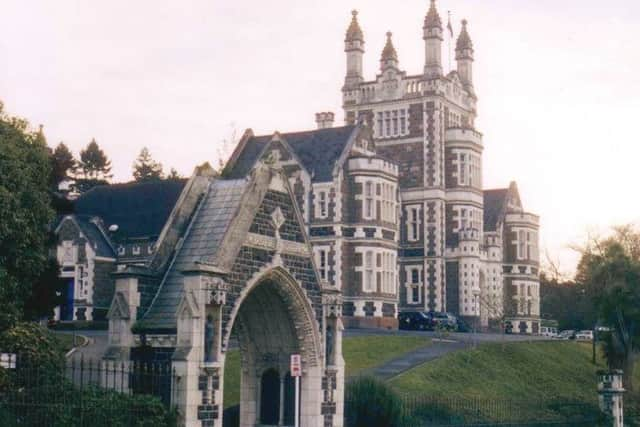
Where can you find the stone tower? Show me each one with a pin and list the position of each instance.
(425, 123)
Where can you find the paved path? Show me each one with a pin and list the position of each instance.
(94, 349)
(415, 358)
(437, 348)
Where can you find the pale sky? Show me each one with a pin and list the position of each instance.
(556, 79)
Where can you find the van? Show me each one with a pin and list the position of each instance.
(548, 331)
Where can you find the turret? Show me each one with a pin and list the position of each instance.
(432, 31)
(464, 56)
(354, 47)
(389, 57)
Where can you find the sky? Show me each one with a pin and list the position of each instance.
(559, 96)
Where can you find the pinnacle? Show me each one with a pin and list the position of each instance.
(389, 52)
(432, 20)
(354, 32)
(464, 40)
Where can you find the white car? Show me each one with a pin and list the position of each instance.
(548, 331)
(584, 336)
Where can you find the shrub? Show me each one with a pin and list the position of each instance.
(372, 403)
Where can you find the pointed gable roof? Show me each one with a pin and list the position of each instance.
(318, 150)
(497, 203)
(389, 51)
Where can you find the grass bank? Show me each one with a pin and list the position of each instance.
(360, 354)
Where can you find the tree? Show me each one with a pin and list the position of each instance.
(25, 213)
(47, 292)
(609, 269)
(63, 165)
(174, 175)
(145, 168)
(95, 168)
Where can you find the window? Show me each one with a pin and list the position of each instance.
(121, 250)
(392, 123)
(368, 200)
(369, 284)
(462, 169)
(388, 272)
(136, 250)
(414, 284)
(388, 203)
(321, 258)
(323, 204)
(413, 223)
(521, 245)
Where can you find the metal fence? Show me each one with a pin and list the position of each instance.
(422, 411)
(86, 393)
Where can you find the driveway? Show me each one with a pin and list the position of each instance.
(94, 349)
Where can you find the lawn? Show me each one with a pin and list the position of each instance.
(360, 353)
(540, 375)
(65, 341)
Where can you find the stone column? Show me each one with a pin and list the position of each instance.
(122, 315)
(199, 384)
(332, 406)
(610, 395)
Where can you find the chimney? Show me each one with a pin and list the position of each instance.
(324, 120)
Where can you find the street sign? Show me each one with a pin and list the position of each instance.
(296, 365)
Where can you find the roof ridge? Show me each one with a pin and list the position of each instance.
(179, 245)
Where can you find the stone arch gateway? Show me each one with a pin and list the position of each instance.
(238, 274)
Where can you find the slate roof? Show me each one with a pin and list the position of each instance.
(494, 205)
(139, 209)
(318, 150)
(201, 243)
(98, 240)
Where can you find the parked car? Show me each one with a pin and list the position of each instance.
(569, 334)
(548, 331)
(415, 321)
(584, 336)
(444, 320)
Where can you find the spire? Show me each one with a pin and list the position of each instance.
(354, 32)
(464, 41)
(432, 20)
(389, 52)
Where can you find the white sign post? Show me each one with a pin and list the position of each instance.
(296, 372)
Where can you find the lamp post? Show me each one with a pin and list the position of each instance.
(476, 304)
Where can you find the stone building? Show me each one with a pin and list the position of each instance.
(111, 225)
(394, 201)
(233, 262)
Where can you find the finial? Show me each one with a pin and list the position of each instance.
(464, 40)
(389, 52)
(354, 32)
(432, 20)
(41, 127)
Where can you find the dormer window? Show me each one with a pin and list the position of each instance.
(136, 249)
(121, 250)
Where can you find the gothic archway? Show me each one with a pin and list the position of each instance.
(273, 320)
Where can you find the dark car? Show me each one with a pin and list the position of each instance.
(443, 320)
(415, 321)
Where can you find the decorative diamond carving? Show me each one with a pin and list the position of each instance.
(278, 218)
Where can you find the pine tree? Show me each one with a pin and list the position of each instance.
(174, 175)
(63, 165)
(145, 168)
(95, 168)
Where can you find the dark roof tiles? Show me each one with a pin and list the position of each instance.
(494, 205)
(318, 150)
(138, 209)
(200, 244)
